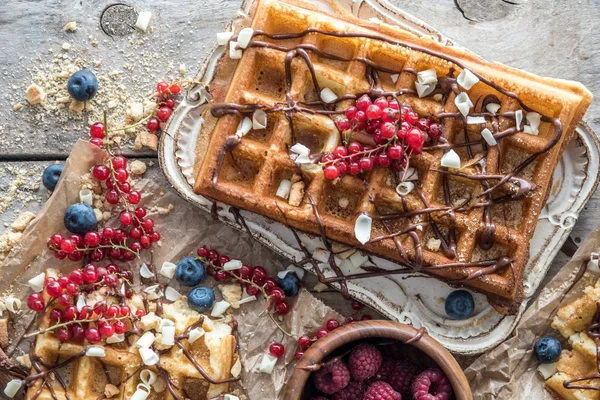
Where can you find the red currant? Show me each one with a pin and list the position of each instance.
(435, 131)
(56, 315)
(155, 237)
(277, 294)
(298, 355)
(340, 152)
(125, 187)
(388, 130)
(56, 239)
(134, 197)
(366, 164)
(72, 288)
(101, 172)
(331, 172)
(304, 342)
(366, 317)
(53, 289)
(62, 334)
(121, 175)
(202, 252)
(332, 324)
(164, 113)
(97, 130)
(357, 305)
(342, 167)
(112, 196)
(153, 124)
(322, 333)
(91, 239)
(120, 327)
(276, 349)
(363, 102)
(68, 246)
(373, 112)
(343, 124)
(415, 140)
(35, 302)
(175, 87)
(112, 311)
(395, 152)
(126, 218)
(354, 168)
(140, 313)
(170, 103)
(125, 311)
(108, 233)
(76, 276)
(76, 256)
(78, 332)
(162, 87)
(148, 224)
(70, 313)
(282, 308)
(384, 160)
(355, 147)
(92, 335)
(90, 276)
(97, 142)
(350, 112)
(64, 299)
(251, 290)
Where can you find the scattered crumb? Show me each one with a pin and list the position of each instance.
(111, 390)
(71, 26)
(319, 287)
(162, 210)
(66, 46)
(231, 294)
(35, 94)
(182, 69)
(137, 167)
(3, 333)
(22, 221)
(17, 106)
(24, 360)
(77, 106)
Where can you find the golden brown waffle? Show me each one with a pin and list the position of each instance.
(574, 321)
(86, 378)
(247, 175)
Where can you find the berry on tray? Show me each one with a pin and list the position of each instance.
(201, 298)
(547, 350)
(459, 304)
(80, 218)
(51, 176)
(431, 384)
(364, 362)
(381, 391)
(289, 284)
(83, 85)
(332, 377)
(190, 271)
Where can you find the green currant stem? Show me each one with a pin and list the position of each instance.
(279, 326)
(75, 321)
(112, 246)
(140, 122)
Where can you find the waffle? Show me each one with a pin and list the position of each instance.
(248, 174)
(86, 377)
(574, 321)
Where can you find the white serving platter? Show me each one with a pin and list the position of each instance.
(412, 298)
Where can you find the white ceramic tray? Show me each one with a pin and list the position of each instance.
(412, 298)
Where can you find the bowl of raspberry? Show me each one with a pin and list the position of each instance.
(377, 360)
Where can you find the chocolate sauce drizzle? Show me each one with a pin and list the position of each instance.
(490, 183)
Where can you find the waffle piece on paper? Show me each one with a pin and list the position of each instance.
(478, 219)
(578, 322)
(78, 376)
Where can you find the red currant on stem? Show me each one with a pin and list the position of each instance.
(119, 162)
(298, 355)
(68, 246)
(332, 324)
(175, 87)
(97, 142)
(77, 331)
(153, 124)
(70, 313)
(276, 349)
(162, 87)
(112, 196)
(76, 276)
(120, 327)
(64, 300)
(97, 130)
(62, 334)
(304, 342)
(277, 294)
(202, 252)
(366, 317)
(170, 103)
(134, 197)
(92, 335)
(35, 302)
(121, 175)
(322, 333)
(140, 313)
(56, 315)
(164, 113)
(282, 308)
(356, 305)
(92, 239)
(53, 289)
(126, 218)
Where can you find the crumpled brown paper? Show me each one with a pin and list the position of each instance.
(182, 231)
(258, 331)
(510, 370)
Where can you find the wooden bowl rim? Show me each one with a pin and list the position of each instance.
(376, 329)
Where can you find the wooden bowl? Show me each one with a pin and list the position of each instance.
(374, 331)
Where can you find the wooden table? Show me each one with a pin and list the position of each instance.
(555, 38)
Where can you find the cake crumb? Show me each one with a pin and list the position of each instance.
(137, 167)
(66, 46)
(22, 221)
(111, 390)
(296, 194)
(76, 106)
(4, 333)
(17, 106)
(71, 26)
(35, 94)
(24, 360)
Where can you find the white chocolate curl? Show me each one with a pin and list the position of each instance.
(146, 340)
(451, 160)
(268, 363)
(223, 38)
(85, 196)
(488, 137)
(259, 120)
(467, 79)
(234, 52)
(95, 351)
(37, 282)
(328, 96)
(13, 387)
(463, 103)
(149, 357)
(13, 304)
(195, 334)
(244, 37)
(147, 377)
(404, 188)
(168, 269)
(141, 393)
(427, 77)
(362, 228)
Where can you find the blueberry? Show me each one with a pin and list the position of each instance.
(289, 284)
(201, 298)
(51, 175)
(190, 271)
(83, 85)
(80, 218)
(547, 350)
(460, 304)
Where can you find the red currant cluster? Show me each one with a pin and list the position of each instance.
(136, 227)
(165, 103)
(90, 323)
(305, 341)
(253, 279)
(396, 131)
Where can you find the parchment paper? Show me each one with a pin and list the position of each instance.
(510, 370)
(182, 231)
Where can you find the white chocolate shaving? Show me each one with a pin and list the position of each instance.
(244, 37)
(467, 79)
(244, 127)
(463, 103)
(475, 120)
(80, 302)
(534, 119)
(394, 77)
(493, 108)
(518, 119)
(267, 364)
(13, 387)
(164, 322)
(592, 265)
(427, 77)
(230, 396)
(168, 269)
(145, 272)
(404, 188)
(13, 304)
(232, 265)
(488, 137)
(141, 393)
(234, 52)
(411, 174)
(547, 370)
(362, 228)
(147, 377)
(85, 196)
(168, 336)
(219, 308)
(195, 334)
(95, 351)
(236, 369)
(530, 131)
(149, 357)
(172, 294)
(37, 282)
(116, 338)
(259, 120)
(247, 299)
(451, 160)
(223, 38)
(145, 340)
(424, 90)
(328, 96)
(143, 20)
(284, 188)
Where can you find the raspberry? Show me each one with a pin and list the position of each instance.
(401, 377)
(364, 361)
(353, 391)
(431, 384)
(384, 372)
(381, 391)
(332, 377)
